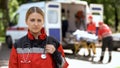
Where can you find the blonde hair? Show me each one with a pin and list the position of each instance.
(32, 10)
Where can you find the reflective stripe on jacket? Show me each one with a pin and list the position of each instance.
(27, 55)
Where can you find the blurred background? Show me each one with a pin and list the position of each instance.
(8, 8)
(111, 12)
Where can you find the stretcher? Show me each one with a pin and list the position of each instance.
(86, 40)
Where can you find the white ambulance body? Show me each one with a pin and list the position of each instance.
(53, 24)
(97, 12)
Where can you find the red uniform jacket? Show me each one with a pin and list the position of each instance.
(91, 27)
(104, 31)
(27, 53)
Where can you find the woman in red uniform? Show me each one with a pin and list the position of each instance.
(36, 49)
(105, 34)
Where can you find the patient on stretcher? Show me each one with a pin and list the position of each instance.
(87, 40)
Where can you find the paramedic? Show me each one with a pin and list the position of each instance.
(36, 49)
(79, 20)
(105, 34)
(91, 27)
(64, 24)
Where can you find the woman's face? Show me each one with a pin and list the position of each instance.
(35, 22)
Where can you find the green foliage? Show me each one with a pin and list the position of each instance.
(13, 6)
(2, 39)
(1, 25)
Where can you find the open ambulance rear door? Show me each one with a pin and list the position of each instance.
(53, 20)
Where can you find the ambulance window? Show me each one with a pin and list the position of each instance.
(95, 13)
(14, 20)
(52, 16)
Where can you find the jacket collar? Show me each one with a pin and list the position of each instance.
(42, 36)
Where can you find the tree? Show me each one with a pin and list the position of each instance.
(5, 13)
(116, 4)
(7, 8)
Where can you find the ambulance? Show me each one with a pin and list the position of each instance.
(53, 23)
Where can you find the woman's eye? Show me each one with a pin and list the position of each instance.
(32, 20)
(39, 20)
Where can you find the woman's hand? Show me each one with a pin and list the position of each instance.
(50, 48)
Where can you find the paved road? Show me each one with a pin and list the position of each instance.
(77, 61)
(4, 55)
(84, 62)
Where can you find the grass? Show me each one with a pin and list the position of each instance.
(2, 39)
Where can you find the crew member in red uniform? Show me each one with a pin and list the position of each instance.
(91, 27)
(36, 49)
(79, 20)
(105, 34)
